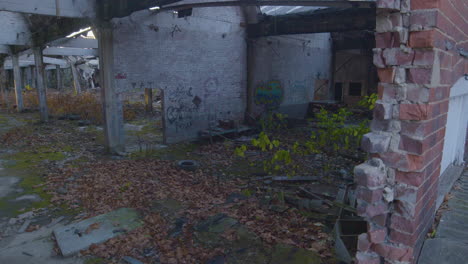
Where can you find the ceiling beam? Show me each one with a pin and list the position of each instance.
(70, 52)
(317, 3)
(85, 43)
(28, 60)
(4, 49)
(318, 22)
(14, 29)
(60, 8)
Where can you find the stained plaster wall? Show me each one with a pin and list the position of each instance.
(199, 62)
(293, 65)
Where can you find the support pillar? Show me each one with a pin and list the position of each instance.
(59, 77)
(18, 83)
(149, 100)
(3, 85)
(29, 76)
(76, 76)
(41, 88)
(112, 104)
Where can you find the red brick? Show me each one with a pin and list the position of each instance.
(424, 4)
(380, 220)
(395, 160)
(395, 56)
(368, 195)
(386, 75)
(419, 75)
(424, 57)
(363, 242)
(387, 40)
(439, 93)
(378, 236)
(383, 111)
(417, 94)
(447, 77)
(413, 111)
(423, 128)
(388, 92)
(393, 252)
(370, 210)
(363, 258)
(388, 4)
(445, 60)
(418, 145)
(422, 39)
(424, 18)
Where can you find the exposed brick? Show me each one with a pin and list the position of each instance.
(375, 143)
(413, 111)
(424, 4)
(377, 236)
(366, 258)
(424, 57)
(370, 210)
(439, 93)
(387, 40)
(395, 160)
(392, 252)
(422, 39)
(423, 19)
(368, 195)
(363, 242)
(383, 111)
(445, 60)
(417, 94)
(386, 75)
(420, 75)
(396, 56)
(425, 127)
(380, 220)
(447, 77)
(400, 75)
(369, 176)
(378, 59)
(388, 4)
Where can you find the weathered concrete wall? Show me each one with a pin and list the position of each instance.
(198, 61)
(354, 66)
(418, 56)
(288, 69)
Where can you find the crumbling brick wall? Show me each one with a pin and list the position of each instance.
(418, 58)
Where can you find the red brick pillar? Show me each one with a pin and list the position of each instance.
(417, 60)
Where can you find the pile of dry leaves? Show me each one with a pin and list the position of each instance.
(106, 186)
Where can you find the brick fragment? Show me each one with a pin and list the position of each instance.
(392, 252)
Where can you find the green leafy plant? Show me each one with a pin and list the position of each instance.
(273, 122)
(369, 101)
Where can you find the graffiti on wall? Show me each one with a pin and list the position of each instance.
(269, 94)
(183, 107)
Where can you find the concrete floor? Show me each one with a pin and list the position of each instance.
(450, 245)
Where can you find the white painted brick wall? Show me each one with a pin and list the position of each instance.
(297, 62)
(200, 59)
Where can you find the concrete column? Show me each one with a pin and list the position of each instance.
(149, 100)
(3, 85)
(34, 77)
(29, 76)
(59, 78)
(76, 76)
(112, 104)
(41, 87)
(18, 83)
